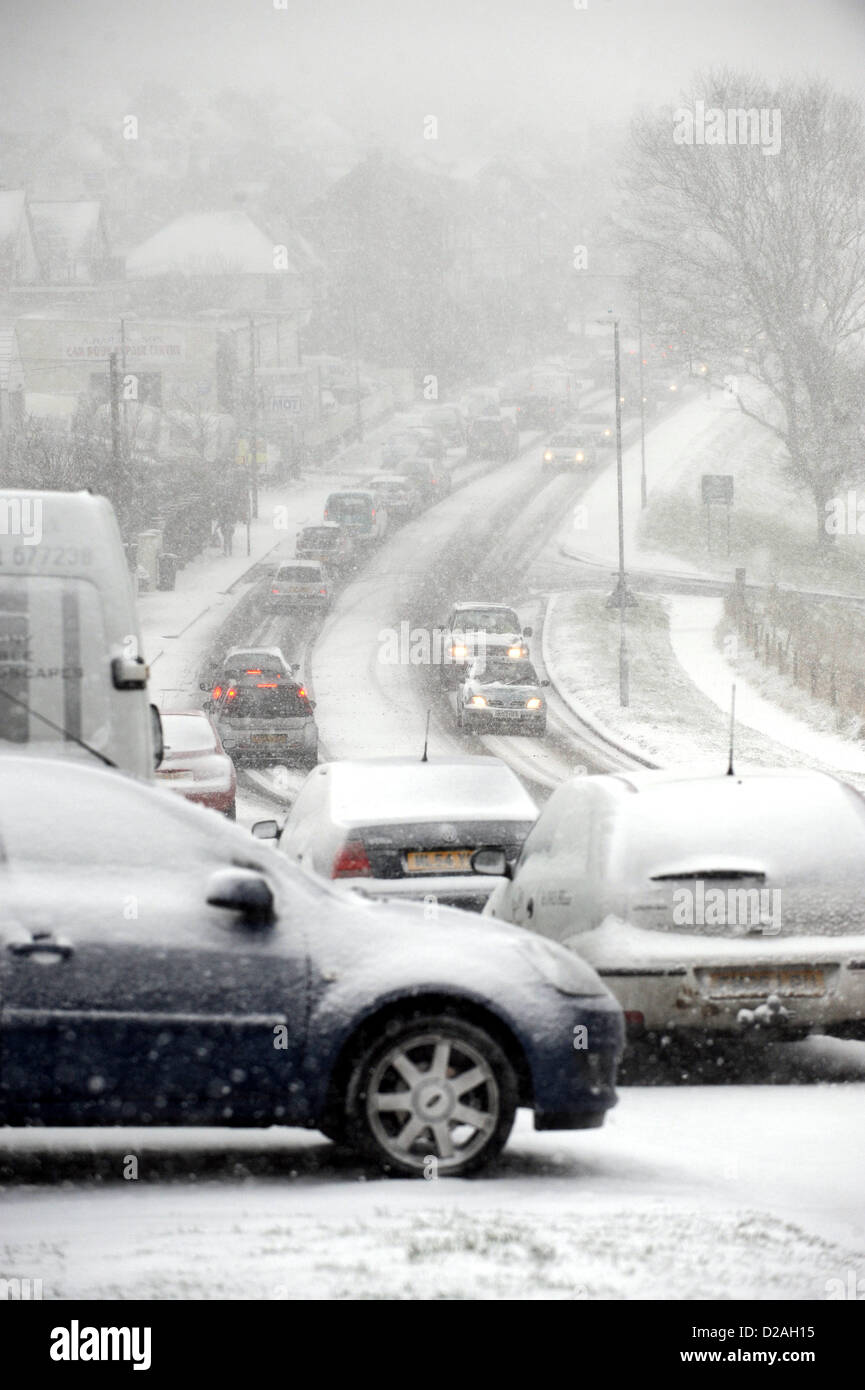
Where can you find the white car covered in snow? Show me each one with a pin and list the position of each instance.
(722, 904)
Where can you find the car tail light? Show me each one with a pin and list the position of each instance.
(634, 1018)
(274, 591)
(217, 691)
(352, 861)
(301, 690)
(323, 591)
(265, 685)
(253, 672)
(231, 693)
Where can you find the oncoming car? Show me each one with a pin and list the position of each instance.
(473, 630)
(724, 905)
(247, 992)
(568, 449)
(502, 695)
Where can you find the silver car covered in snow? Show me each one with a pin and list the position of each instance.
(710, 904)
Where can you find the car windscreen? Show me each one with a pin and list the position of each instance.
(485, 620)
(566, 441)
(507, 673)
(263, 702)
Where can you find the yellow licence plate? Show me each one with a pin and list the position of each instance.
(762, 981)
(268, 738)
(438, 861)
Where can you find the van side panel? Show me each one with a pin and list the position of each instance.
(67, 611)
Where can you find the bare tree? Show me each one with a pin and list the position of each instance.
(759, 250)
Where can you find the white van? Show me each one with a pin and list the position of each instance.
(72, 675)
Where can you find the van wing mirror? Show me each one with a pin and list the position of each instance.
(157, 735)
(129, 672)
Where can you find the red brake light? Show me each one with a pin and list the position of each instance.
(254, 671)
(274, 591)
(323, 591)
(265, 685)
(217, 691)
(351, 861)
(231, 694)
(301, 690)
(634, 1017)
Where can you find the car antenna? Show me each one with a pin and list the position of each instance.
(424, 758)
(732, 729)
(58, 728)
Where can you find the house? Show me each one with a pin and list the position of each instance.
(218, 260)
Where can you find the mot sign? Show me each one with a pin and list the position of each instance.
(718, 487)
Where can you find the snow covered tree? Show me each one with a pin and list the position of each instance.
(752, 240)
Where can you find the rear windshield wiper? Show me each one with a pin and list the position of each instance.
(667, 875)
(58, 728)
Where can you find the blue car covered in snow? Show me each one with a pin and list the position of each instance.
(160, 966)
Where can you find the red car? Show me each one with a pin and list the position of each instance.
(195, 763)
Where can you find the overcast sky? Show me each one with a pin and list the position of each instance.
(379, 66)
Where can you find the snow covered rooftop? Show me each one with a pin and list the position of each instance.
(202, 243)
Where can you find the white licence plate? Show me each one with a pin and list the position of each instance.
(761, 981)
(268, 738)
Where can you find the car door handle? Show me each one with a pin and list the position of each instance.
(41, 945)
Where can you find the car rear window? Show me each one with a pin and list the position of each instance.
(186, 734)
(299, 574)
(319, 536)
(257, 702)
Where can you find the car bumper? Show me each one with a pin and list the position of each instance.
(468, 891)
(573, 1061)
(753, 1000)
(517, 723)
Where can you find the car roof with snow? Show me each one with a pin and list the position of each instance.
(380, 790)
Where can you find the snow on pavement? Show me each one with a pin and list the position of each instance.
(693, 621)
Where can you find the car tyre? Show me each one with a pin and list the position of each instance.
(433, 1095)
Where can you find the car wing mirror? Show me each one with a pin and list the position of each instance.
(266, 830)
(527, 632)
(490, 861)
(203, 685)
(545, 682)
(244, 891)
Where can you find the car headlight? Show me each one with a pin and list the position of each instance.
(548, 454)
(534, 703)
(565, 971)
(517, 652)
(478, 700)
(459, 653)
(579, 457)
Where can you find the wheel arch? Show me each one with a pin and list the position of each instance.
(463, 1007)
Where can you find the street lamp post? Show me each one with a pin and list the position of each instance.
(624, 683)
(643, 489)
